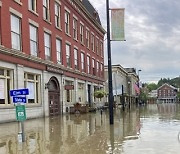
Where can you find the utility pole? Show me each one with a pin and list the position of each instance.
(111, 99)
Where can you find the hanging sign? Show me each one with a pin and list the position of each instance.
(117, 24)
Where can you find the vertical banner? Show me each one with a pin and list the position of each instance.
(117, 24)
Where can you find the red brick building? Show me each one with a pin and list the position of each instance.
(55, 49)
(167, 94)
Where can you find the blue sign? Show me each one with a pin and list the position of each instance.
(19, 92)
(19, 99)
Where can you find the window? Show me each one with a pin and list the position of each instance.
(93, 66)
(32, 82)
(68, 55)
(47, 46)
(33, 40)
(101, 49)
(82, 62)
(59, 50)
(6, 83)
(69, 93)
(75, 28)
(102, 70)
(87, 38)
(92, 42)
(88, 64)
(97, 46)
(76, 62)
(97, 66)
(81, 33)
(57, 15)
(32, 5)
(67, 22)
(15, 32)
(46, 13)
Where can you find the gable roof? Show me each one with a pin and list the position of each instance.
(167, 85)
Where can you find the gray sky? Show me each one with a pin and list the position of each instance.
(152, 33)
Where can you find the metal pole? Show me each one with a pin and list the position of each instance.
(22, 128)
(111, 100)
(123, 98)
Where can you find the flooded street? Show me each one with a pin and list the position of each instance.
(152, 129)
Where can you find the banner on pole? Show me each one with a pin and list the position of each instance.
(117, 24)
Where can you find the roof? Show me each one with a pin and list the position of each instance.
(88, 6)
(167, 85)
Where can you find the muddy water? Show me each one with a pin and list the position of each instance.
(152, 129)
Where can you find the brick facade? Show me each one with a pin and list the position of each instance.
(31, 15)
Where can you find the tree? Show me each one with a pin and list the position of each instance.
(152, 86)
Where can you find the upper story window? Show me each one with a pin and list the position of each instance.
(57, 15)
(6, 84)
(97, 46)
(67, 22)
(59, 50)
(33, 40)
(76, 61)
(68, 55)
(88, 64)
(101, 49)
(15, 32)
(46, 10)
(92, 42)
(93, 67)
(82, 62)
(87, 38)
(47, 46)
(32, 5)
(82, 33)
(101, 70)
(75, 28)
(97, 66)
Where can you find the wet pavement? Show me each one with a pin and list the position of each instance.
(152, 129)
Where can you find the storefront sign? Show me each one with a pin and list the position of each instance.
(69, 87)
(54, 70)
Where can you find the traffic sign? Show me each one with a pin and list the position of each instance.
(20, 113)
(19, 92)
(19, 99)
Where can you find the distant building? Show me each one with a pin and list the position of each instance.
(122, 77)
(166, 94)
(152, 97)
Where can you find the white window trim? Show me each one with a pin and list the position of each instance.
(33, 23)
(15, 12)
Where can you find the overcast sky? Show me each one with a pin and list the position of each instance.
(152, 33)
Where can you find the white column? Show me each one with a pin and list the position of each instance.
(19, 76)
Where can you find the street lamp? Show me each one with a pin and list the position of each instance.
(111, 99)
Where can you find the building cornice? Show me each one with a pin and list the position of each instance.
(21, 55)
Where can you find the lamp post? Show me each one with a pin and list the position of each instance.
(111, 99)
(138, 84)
(129, 90)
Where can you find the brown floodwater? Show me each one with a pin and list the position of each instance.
(152, 129)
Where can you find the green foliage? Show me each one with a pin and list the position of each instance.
(152, 86)
(99, 94)
(143, 96)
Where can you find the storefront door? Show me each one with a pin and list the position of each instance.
(54, 97)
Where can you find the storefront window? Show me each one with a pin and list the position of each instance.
(5, 86)
(32, 82)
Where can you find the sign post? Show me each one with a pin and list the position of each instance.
(19, 99)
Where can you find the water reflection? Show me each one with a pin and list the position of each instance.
(136, 131)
